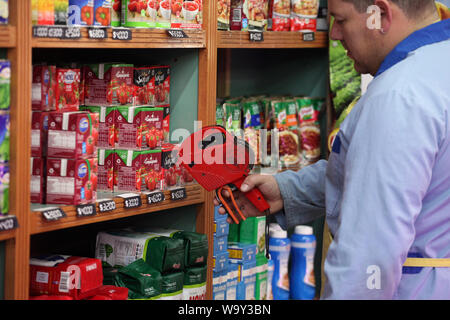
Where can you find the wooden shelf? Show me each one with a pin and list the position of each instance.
(6, 235)
(195, 195)
(7, 36)
(141, 38)
(272, 40)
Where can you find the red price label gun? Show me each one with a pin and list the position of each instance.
(218, 161)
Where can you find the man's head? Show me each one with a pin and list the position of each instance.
(370, 29)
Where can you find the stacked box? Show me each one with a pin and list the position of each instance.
(253, 231)
(220, 284)
(232, 280)
(261, 278)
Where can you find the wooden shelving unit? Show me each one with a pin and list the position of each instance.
(17, 39)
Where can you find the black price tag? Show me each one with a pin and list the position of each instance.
(53, 214)
(131, 200)
(177, 34)
(106, 205)
(122, 34)
(178, 194)
(56, 32)
(40, 31)
(155, 197)
(309, 36)
(72, 33)
(8, 223)
(256, 36)
(97, 33)
(84, 210)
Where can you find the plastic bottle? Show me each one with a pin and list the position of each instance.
(270, 267)
(279, 249)
(302, 280)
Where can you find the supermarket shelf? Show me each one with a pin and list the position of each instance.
(7, 36)
(8, 226)
(272, 39)
(141, 38)
(6, 235)
(195, 195)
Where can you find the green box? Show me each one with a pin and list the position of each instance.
(252, 230)
(233, 232)
(261, 278)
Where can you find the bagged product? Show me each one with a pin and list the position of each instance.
(139, 13)
(5, 84)
(71, 181)
(80, 13)
(238, 18)
(122, 247)
(279, 15)
(162, 85)
(186, 14)
(172, 286)
(257, 12)
(38, 180)
(4, 137)
(194, 284)
(252, 123)
(43, 91)
(102, 12)
(142, 281)
(107, 131)
(308, 114)
(4, 189)
(220, 114)
(72, 135)
(61, 9)
(4, 12)
(64, 275)
(106, 292)
(304, 15)
(286, 123)
(223, 14)
(233, 117)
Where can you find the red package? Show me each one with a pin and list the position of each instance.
(38, 181)
(237, 15)
(107, 292)
(171, 172)
(107, 175)
(144, 86)
(107, 133)
(67, 93)
(72, 135)
(135, 168)
(47, 297)
(71, 181)
(108, 84)
(166, 124)
(44, 84)
(39, 133)
(162, 86)
(64, 275)
(279, 15)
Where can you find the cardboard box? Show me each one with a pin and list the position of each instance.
(44, 84)
(39, 133)
(38, 180)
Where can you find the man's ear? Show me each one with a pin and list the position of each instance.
(386, 12)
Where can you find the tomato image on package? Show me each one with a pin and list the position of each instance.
(72, 135)
(107, 172)
(67, 93)
(107, 133)
(81, 13)
(71, 181)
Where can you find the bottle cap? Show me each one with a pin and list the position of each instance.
(279, 234)
(306, 230)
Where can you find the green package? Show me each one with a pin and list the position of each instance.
(220, 114)
(134, 16)
(122, 247)
(172, 286)
(252, 230)
(194, 283)
(61, 7)
(232, 117)
(142, 281)
(5, 84)
(261, 278)
(4, 137)
(234, 232)
(195, 244)
(110, 275)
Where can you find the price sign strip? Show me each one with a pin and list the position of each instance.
(8, 222)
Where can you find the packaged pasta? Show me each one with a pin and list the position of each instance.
(304, 15)
(279, 15)
(308, 116)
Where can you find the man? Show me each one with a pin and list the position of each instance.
(385, 189)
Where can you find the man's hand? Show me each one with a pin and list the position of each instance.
(268, 187)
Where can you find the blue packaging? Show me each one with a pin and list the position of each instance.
(220, 261)
(4, 137)
(220, 244)
(245, 289)
(245, 252)
(219, 285)
(270, 268)
(302, 280)
(221, 226)
(279, 250)
(232, 281)
(81, 13)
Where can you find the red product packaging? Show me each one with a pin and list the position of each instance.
(72, 135)
(71, 181)
(107, 175)
(47, 297)
(64, 275)
(106, 292)
(171, 172)
(136, 168)
(304, 15)
(107, 133)
(166, 124)
(279, 15)
(44, 84)
(39, 133)
(162, 86)
(144, 86)
(108, 84)
(38, 181)
(238, 19)
(67, 93)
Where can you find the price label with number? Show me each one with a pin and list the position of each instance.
(8, 223)
(178, 194)
(97, 33)
(131, 200)
(308, 36)
(52, 214)
(72, 33)
(106, 205)
(121, 34)
(256, 36)
(84, 210)
(155, 197)
(40, 31)
(177, 34)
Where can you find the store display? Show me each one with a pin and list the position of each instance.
(302, 281)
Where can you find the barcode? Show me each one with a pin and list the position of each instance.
(64, 281)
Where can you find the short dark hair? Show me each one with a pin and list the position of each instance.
(412, 8)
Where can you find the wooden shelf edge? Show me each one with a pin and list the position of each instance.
(195, 195)
(8, 36)
(142, 38)
(272, 39)
(7, 235)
